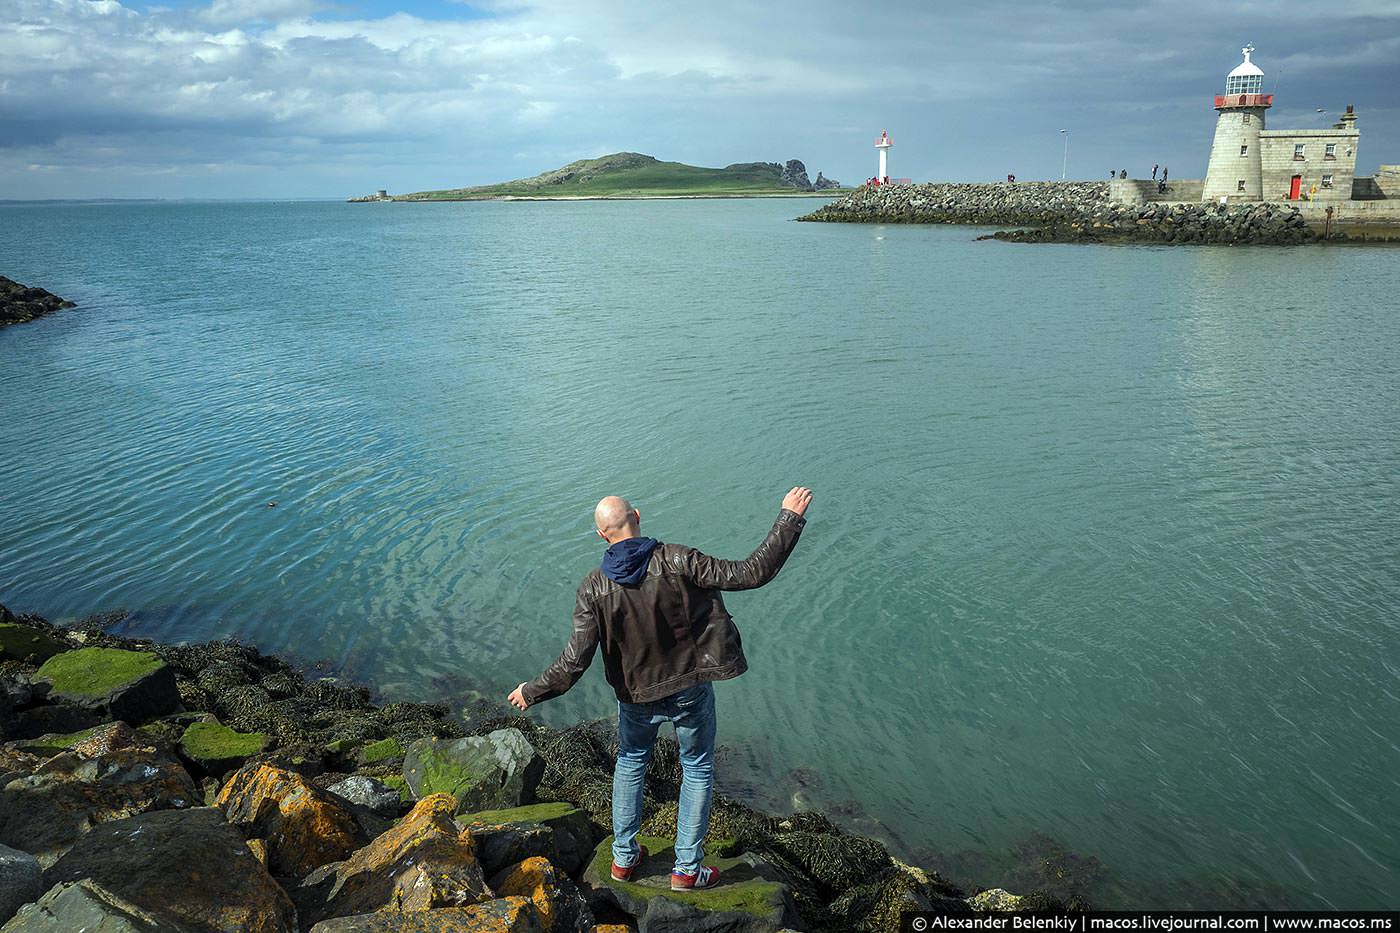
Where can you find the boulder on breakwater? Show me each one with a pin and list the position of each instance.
(1068, 212)
(19, 303)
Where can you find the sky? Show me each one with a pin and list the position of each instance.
(333, 98)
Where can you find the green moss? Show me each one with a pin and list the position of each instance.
(21, 641)
(754, 896)
(96, 671)
(400, 785)
(53, 744)
(441, 774)
(381, 751)
(210, 741)
(534, 813)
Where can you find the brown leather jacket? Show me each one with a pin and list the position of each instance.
(671, 631)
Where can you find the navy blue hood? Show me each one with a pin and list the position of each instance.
(626, 561)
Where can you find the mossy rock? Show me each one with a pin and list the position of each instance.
(559, 832)
(747, 896)
(217, 749)
(95, 672)
(383, 750)
(132, 686)
(22, 641)
(485, 772)
(399, 784)
(51, 744)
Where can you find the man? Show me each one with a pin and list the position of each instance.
(657, 612)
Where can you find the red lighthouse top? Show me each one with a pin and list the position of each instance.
(884, 141)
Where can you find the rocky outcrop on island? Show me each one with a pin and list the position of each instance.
(824, 184)
(794, 175)
(1068, 212)
(19, 303)
(211, 787)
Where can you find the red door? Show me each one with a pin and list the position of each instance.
(1296, 187)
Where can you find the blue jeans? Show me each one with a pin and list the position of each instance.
(693, 712)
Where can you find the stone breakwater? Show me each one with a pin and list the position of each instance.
(175, 788)
(19, 303)
(1068, 212)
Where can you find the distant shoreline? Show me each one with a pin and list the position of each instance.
(828, 193)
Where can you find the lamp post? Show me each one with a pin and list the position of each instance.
(1064, 164)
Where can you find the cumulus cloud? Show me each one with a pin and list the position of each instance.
(235, 12)
(297, 96)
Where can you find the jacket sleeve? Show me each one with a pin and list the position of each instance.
(578, 654)
(753, 571)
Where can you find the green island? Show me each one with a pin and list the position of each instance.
(629, 175)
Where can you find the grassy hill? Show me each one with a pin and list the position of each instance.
(629, 175)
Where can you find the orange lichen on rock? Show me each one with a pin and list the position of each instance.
(555, 898)
(426, 861)
(304, 827)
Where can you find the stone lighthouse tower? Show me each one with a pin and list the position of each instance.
(883, 144)
(1235, 169)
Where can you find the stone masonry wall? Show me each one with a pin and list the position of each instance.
(1280, 165)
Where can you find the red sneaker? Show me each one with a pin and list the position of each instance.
(625, 874)
(706, 877)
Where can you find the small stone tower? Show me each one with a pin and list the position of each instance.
(1235, 170)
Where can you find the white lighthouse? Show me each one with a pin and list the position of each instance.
(1235, 170)
(883, 144)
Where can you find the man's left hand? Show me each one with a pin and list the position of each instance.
(517, 698)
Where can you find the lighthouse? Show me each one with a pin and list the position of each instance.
(1235, 171)
(883, 144)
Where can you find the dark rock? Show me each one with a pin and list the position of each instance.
(825, 184)
(87, 906)
(23, 642)
(19, 304)
(559, 832)
(188, 867)
(795, 175)
(21, 881)
(44, 812)
(46, 720)
(483, 772)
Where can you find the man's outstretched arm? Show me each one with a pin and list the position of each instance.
(766, 560)
(565, 672)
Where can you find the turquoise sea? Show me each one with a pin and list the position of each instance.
(1103, 567)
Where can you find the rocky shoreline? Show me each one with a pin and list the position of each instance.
(1070, 212)
(210, 787)
(19, 303)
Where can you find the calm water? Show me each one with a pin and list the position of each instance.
(1106, 543)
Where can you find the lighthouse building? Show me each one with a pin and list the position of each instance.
(1249, 162)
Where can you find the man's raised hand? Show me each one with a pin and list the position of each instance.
(798, 499)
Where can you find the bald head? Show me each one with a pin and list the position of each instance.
(616, 520)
